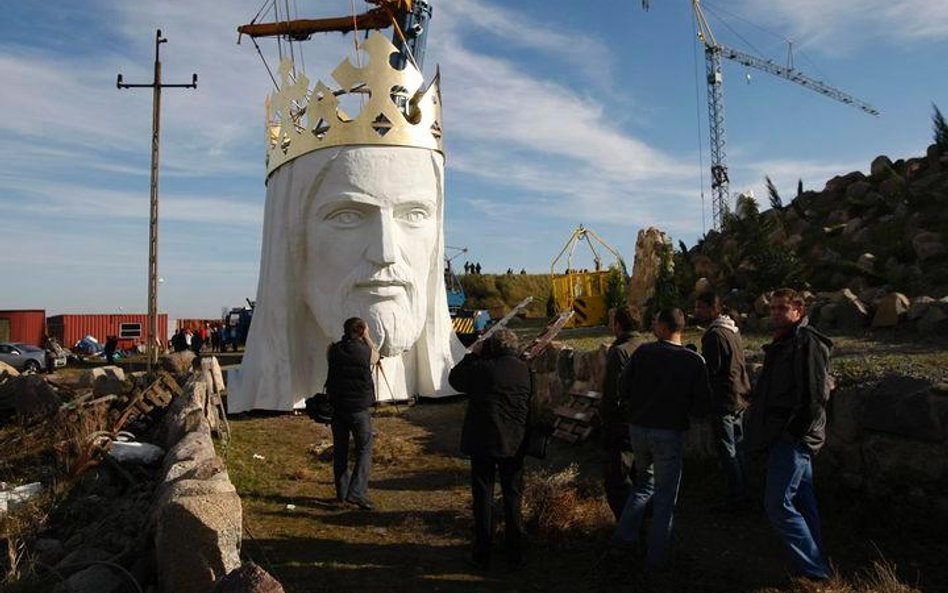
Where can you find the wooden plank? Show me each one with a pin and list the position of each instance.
(577, 415)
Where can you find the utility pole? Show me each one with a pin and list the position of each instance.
(151, 344)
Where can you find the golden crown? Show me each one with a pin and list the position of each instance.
(396, 110)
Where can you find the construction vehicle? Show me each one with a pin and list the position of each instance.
(713, 52)
(468, 324)
(580, 290)
(235, 325)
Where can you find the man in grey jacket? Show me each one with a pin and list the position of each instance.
(723, 352)
(787, 420)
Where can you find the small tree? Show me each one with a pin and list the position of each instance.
(615, 288)
(940, 127)
(666, 292)
(776, 202)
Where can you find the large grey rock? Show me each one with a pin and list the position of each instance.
(906, 406)
(185, 413)
(857, 191)
(934, 321)
(881, 167)
(9, 370)
(105, 380)
(177, 363)
(852, 315)
(194, 448)
(249, 578)
(762, 305)
(844, 412)
(647, 266)
(96, 579)
(918, 306)
(891, 462)
(891, 309)
(27, 398)
(866, 261)
(197, 537)
(927, 245)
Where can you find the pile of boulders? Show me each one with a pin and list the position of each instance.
(844, 310)
(889, 227)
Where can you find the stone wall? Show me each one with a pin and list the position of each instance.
(891, 441)
(196, 513)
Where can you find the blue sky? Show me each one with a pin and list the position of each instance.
(556, 113)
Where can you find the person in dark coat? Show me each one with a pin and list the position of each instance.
(662, 385)
(617, 469)
(723, 352)
(352, 393)
(197, 342)
(497, 383)
(111, 345)
(787, 421)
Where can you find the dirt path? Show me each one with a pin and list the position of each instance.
(417, 539)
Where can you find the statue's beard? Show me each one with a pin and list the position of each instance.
(395, 322)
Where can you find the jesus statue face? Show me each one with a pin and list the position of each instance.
(373, 220)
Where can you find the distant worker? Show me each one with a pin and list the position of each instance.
(787, 420)
(523, 271)
(352, 393)
(617, 470)
(197, 342)
(497, 384)
(662, 385)
(111, 344)
(467, 267)
(178, 343)
(477, 268)
(723, 352)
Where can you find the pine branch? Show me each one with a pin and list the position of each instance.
(940, 127)
(775, 201)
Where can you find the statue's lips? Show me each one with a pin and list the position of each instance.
(382, 288)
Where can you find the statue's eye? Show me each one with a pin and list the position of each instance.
(415, 215)
(345, 217)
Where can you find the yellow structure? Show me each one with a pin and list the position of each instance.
(584, 291)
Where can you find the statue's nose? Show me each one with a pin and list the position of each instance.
(382, 243)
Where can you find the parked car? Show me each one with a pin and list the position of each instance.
(23, 357)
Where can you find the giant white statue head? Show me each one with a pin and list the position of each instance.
(353, 227)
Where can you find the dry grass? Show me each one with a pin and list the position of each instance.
(880, 577)
(559, 506)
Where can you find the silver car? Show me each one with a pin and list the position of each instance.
(23, 357)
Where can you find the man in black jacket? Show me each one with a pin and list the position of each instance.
(787, 420)
(661, 386)
(497, 383)
(352, 393)
(617, 469)
(723, 352)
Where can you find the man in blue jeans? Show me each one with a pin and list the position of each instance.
(787, 420)
(352, 393)
(662, 384)
(723, 352)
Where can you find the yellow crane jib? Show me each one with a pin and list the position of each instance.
(583, 291)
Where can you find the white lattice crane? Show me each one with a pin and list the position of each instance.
(713, 52)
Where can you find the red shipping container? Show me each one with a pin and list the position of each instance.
(130, 329)
(27, 326)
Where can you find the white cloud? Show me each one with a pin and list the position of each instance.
(837, 25)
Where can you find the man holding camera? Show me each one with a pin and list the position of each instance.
(497, 383)
(352, 393)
